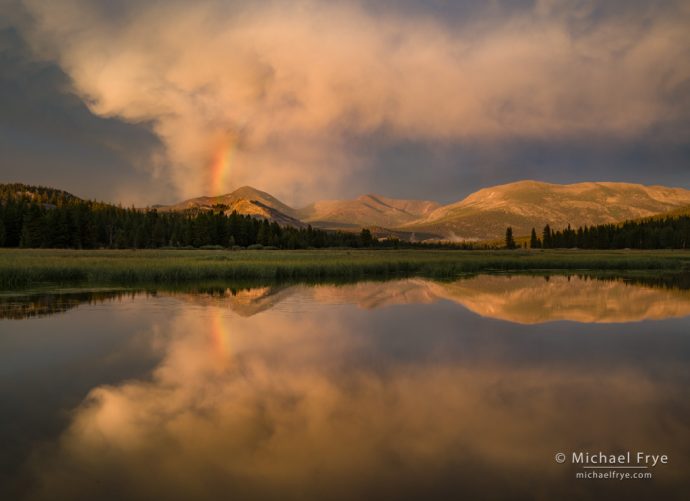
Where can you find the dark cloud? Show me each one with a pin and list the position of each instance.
(447, 173)
(48, 136)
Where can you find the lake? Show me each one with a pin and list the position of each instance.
(404, 389)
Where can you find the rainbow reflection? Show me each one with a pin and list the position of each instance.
(220, 335)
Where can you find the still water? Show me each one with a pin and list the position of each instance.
(408, 389)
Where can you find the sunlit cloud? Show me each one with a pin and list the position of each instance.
(271, 94)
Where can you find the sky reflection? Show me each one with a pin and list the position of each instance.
(331, 395)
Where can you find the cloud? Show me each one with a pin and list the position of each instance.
(288, 87)
(49, 137)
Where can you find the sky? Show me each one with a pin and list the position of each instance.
(144, 102)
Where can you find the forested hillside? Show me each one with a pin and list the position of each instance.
(33, 216)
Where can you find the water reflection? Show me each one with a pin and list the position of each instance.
(525, 299)
(532, 300)
(50, 303)
(323, 393)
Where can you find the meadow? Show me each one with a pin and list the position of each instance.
(34, 267)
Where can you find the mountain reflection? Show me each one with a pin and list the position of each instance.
(43, 304)
(532, 300)
(525, 299)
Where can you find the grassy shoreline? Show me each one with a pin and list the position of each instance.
(30, 267)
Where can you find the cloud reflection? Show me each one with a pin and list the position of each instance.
(293, 408)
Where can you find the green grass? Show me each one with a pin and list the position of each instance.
(27, 268)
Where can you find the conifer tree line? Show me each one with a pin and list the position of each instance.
(661, 232)
(44, 217)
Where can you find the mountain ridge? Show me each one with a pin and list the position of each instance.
(482, 215)
(527, 204)
(245, 200)
(369, 209)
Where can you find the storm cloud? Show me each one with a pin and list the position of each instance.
(322, 98)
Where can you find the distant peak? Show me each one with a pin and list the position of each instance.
(247, 189)
(242, 192)
(524, 183)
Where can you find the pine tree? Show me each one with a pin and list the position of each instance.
(32, 227)
(510, 242)
(546, 237)
(263, 236)
(534, 242)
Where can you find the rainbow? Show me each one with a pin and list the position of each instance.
(220, 167)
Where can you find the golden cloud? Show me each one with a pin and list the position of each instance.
(286, 84)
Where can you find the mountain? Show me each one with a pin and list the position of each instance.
(40, 194)
(483, 215)
(244, 200)
(524, 205)
(680, 211)
(365, 211)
